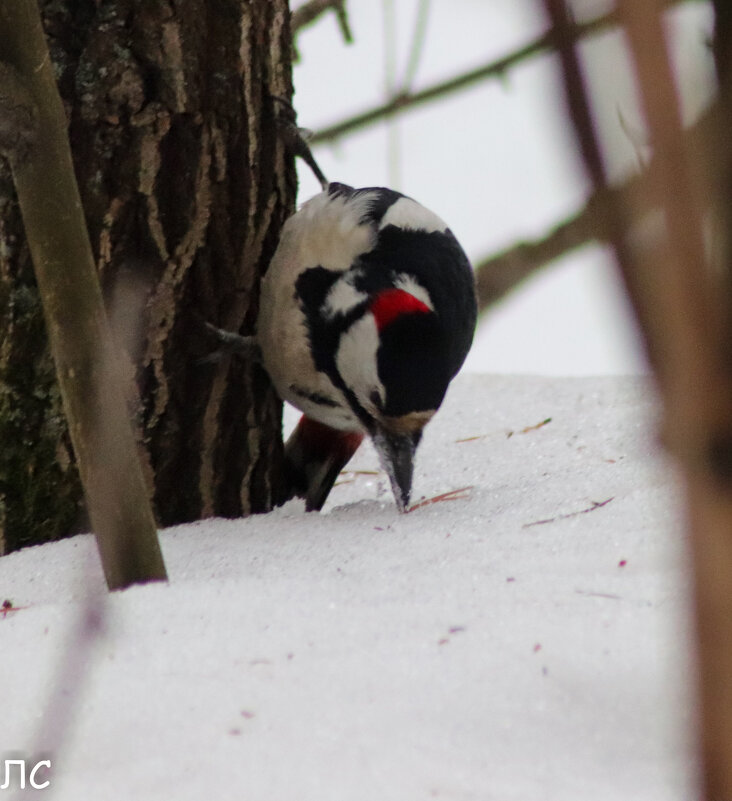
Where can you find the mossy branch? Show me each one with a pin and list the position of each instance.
(34, 139)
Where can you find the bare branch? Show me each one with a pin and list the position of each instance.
(576, 93)
(495, 69)
(680, 308)
(698, 386)
(309, 12)
(687, 317)
(416, 49)
(500, 273)
(580, 113)
(635, 278)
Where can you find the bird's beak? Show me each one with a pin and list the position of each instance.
(396, 454)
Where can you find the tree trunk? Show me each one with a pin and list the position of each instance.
(36, 144)
(185, 185)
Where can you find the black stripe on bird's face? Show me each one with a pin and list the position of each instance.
(413, 365)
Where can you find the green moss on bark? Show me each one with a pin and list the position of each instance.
(40, 491)
(185, 185)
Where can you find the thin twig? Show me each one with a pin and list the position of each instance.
(419, 38)
(309, 12)
(494, 69)
(576, 94)
(452, 495)
(499, 274)
(391, 47)
(8, 608)
(595, 505)
(509, 434)
(617, 214)
(529, 429)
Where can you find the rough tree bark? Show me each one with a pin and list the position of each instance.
(185, 184)
(36, 145)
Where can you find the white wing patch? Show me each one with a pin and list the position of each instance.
(343, 296)
(408, 284)
(412, 216)
(356, 362)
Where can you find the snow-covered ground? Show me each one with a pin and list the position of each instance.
(525, 641)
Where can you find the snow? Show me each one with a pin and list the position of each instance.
(526, 641)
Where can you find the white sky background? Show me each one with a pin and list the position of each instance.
(496, 160)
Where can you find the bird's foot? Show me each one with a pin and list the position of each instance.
(295, 138)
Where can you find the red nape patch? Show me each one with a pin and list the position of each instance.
(392, 303)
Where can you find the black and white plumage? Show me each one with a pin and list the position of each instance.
(367, 312)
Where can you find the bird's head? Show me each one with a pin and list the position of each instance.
(395, 365)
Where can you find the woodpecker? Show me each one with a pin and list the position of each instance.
(367, 312)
